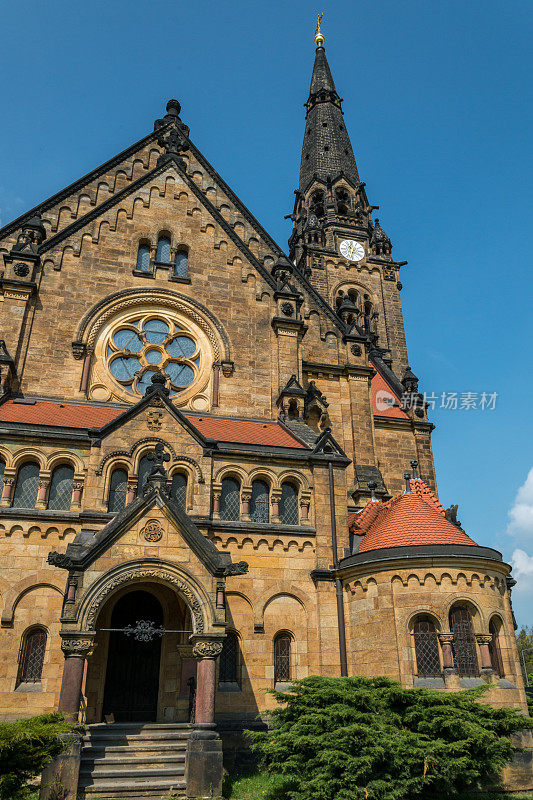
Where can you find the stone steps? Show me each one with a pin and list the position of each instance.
(134, 761)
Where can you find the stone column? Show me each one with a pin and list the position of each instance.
(77, 489)
(206, 651)
(217, 490)
(451, 678)
(246, 496)
(7, 491)
(76, 651)
(275, 497)
(44, 483)
(484, 640)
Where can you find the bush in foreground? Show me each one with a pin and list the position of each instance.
(26, 747)
(351, 738)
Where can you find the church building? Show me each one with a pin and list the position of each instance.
(216, 472)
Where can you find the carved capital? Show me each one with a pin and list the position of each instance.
(207, 649)
(77, 647)
(445, 638)
(483, 638)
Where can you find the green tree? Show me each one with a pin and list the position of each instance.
(26, 747)
(350, 738)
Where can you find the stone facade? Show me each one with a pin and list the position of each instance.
(272, 377)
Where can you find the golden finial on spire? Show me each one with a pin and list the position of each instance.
(319, 36)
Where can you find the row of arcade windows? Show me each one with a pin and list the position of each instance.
(259, 503)
(27, 486)
(465, 658)
(118, 486)
(163, 257)
(229, 671)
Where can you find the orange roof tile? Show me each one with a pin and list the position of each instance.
(244, 431)
(382, 397)
(408, 519)
(73, 415)
(68, 415)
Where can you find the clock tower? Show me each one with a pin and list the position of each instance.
(336, 242)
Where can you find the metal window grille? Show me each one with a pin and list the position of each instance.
(163, 250)
(259, 502)
(2, 470)
(145, 465)
(178, 489)
(32, 656)
(60, 494)
(230, 499)
(143, 258)
(464, 643)
(181, 263)
(27, 486)
(282, 658)
(228, 659)
(288, 506)
(495, 651)
(117, 490)
(426, 648)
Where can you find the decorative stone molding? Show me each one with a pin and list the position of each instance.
(136, 573)
(207, 649)
(77, 647)
(483, 638)
(152, 531)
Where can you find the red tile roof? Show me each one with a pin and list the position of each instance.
(243, 431)
(382, 396)
(73, 415)
(67, 415)
(408, 519)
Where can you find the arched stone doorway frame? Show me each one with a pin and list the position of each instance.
(200, 604)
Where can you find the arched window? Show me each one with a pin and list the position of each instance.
(259, 511)
(145, 465)
(229, 659)
(143, 258)
(163, 250)
(282, 658)
(117, 490)
(464, 642)
(31, 656)
(2, 470)
(178, 489)
(181, 263)
(27, 486)
(494, 647)
(316, 205)
(230, 499)
(343, 202)
(288, 504)
(426, 647)
(60, 493)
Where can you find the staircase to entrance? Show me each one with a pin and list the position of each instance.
(136, 761)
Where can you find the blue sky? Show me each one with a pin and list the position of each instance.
(437, 100)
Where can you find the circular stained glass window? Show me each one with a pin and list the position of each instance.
(137, 350)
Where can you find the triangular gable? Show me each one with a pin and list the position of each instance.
(86, 548)
(326, 445)
(160, 397)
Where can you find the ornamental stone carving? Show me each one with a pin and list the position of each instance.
(152, 531)
(77, 647)
(207, 649)
(150, 574)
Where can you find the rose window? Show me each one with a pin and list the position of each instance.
(139, 348)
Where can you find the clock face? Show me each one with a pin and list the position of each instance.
(352, 250)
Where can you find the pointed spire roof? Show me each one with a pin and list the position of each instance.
(327, 150)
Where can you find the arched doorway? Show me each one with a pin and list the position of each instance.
(132, 674)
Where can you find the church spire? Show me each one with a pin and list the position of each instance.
(327, 150)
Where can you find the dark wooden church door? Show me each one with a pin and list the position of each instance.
(132, 676)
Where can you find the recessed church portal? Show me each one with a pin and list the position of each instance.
(133, 665)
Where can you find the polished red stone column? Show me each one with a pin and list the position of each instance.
(206, 651)
(484, 640)
(446, 640)
(76, 652)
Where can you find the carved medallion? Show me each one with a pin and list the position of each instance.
(154, 420)
(152, 531)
